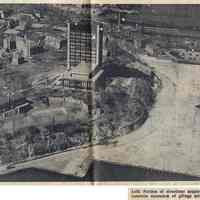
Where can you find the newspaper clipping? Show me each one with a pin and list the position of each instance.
(104, 93)
(156, 193)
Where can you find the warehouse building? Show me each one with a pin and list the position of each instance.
(14, 105)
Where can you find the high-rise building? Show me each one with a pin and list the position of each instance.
(85, 44)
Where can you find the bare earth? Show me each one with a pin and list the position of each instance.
(169, 139)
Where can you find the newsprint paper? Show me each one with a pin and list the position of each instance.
(101, 93)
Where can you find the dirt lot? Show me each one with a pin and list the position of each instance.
(169, 139)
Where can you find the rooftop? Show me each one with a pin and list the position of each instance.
(56, 33)
(80, 72)
(84, 25)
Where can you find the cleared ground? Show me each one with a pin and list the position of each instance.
(169, 139)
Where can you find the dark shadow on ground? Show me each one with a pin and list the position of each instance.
(99, 171)
(114, 70)
(35, 175)
(106, 171)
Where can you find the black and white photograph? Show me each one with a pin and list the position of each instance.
(99, 92)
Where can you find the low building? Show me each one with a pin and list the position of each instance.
(81, 77)
(32, 43)
(56, 39)
(26, 44)
(13, 106)
(9, 40)
(17, 58)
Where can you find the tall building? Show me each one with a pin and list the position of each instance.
(85, 44)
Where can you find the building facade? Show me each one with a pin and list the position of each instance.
(85, 43)
(23, 45)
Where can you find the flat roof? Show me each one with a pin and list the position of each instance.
(80, 72)
(82, 68)
(84, 25)
(15, 100)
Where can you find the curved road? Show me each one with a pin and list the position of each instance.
(169, 139)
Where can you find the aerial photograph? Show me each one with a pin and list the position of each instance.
(99, 92)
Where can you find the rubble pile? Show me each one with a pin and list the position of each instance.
(122, 107)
